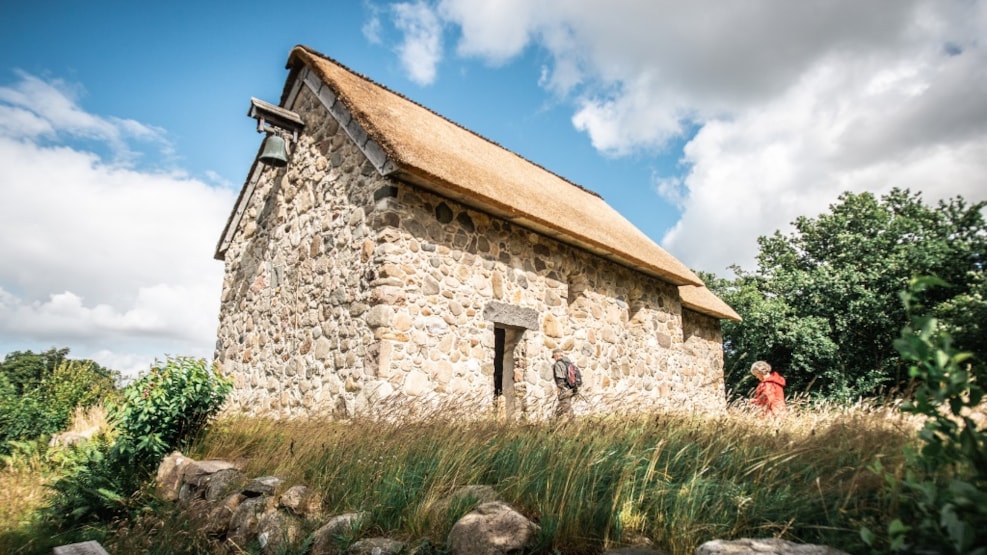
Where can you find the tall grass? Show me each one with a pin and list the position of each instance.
(674, 481)
(26, 475)
(23, 477)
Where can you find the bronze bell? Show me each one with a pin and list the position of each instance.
(275, 152)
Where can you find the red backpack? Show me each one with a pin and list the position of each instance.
(573, 377)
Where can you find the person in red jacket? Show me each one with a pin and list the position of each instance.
(770, 393)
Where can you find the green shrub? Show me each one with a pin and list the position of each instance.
(47, 406)
(163, 410)
(24, 417)
(76, 383)
(945, 483)
(26, 369)
(167, 408)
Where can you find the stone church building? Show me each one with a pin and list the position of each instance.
(398, 261)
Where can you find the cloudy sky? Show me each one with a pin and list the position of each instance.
(124, 138)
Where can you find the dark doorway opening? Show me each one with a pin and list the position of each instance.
(499, 334)
(506, 340)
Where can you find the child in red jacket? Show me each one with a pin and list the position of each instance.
(770, 393)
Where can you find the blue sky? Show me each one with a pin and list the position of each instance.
(124, 137)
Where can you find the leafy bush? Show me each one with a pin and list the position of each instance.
(946, 480)
(167, 408)
(22, 418)
(90, 491)
(163, 410)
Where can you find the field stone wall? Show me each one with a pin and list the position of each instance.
(347, 292)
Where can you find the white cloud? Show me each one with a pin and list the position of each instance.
(626, 122)
(99, 256)
(792, 103)
(496, 31)
(372, 27)
(157, 311)
(16, 121)
(44, 109)
(835, 131)
(421, 50)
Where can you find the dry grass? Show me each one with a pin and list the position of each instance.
(89, 418)
(22, 489)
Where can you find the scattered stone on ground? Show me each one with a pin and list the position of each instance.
(493, 528)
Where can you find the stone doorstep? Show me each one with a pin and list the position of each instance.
(84, 548)
(764, 546)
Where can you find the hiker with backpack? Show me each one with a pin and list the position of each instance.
(568, 378)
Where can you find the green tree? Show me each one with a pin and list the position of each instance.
(771, 330)
(25, 369)
(964, 316)
(822, 304)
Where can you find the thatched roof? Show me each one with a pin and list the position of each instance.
(433, 152)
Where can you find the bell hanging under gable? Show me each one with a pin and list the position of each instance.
(275, 152)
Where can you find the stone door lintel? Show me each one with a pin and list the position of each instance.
(511, 315)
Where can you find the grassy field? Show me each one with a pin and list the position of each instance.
(671, 481)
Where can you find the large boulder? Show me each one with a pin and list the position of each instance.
(69, 438)
(325, 538)
(83, 548)
(169, 477)
(766, 546)
(493, 528)
(302, 501)
(265, 485)
(376, 546)
(213, 517)
(243, 522)
(278, 531)
(180, 478)
(210, 480)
